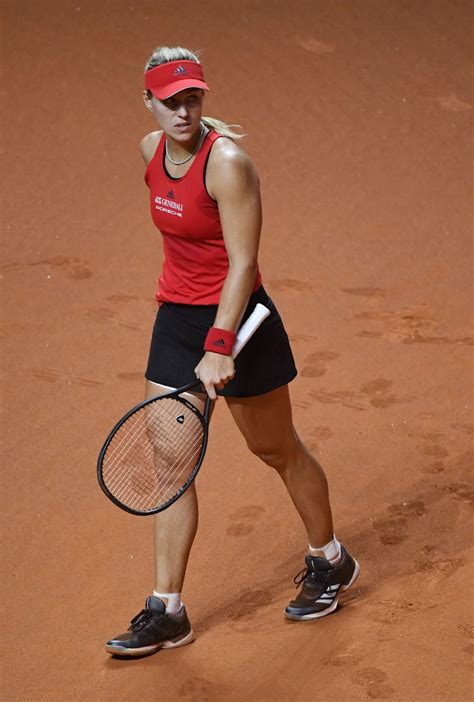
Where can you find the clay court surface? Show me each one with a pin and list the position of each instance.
(358, 117)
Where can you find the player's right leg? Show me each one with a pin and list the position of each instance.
(163, 623)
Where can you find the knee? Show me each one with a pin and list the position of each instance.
(279, 455)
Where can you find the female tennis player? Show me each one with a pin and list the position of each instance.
(205, 201)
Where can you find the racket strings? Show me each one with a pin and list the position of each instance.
(143, 483)
(153, 437)
(153, 454)
(130, 442)
(153, 474)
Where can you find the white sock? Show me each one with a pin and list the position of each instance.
(172, 600)
(331, 551)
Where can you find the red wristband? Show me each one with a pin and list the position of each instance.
(219, 341)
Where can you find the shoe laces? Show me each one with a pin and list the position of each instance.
(142, 619)
(309, 573)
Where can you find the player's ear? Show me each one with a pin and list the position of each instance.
(147, 100)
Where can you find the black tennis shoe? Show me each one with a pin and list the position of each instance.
(151, 630)
(322, 584)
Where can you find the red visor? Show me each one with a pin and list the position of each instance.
(172, 77)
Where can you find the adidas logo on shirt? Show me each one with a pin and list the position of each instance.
(170, 194)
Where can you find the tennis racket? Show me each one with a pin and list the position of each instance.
(154, 452)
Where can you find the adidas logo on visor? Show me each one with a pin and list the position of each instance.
(180, 71)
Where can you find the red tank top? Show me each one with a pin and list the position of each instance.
(195, 261)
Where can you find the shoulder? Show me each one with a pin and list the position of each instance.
(148, 145)
(229, 167)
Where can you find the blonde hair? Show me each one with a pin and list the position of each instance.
(164, 54)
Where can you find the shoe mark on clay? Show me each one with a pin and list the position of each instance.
(50, 375)
(318, 434)
(411, 325)
(412, 508)
(315, 46)
(104, 314)
(391, 612)
(73, 267)
(302, 337)
(469, 649)
(419, 339)
(463, 489)
(433, 450)
(118, 298)
(248, 602)
(378, 392)
(353, 597)
(375, 682)
(462, 466)
(241, 610)
(435, 467)
(453, 103)
(347, 398)
(428, 435)
(196, 689)
(369, 334)
(47, 374)
(463, 492)
(365, 333)
(436, 451)
(301, 403)
(244, 520)
(394, 529)
(289, 285)
(364, 292)
(466, 630)
(322, 433)
(317, 363)
(399, 325)
(8, 328)
(245, 606)
(373, 679)
(464, 463)
(341, 660)
(130, 376)
(433, 559)
(466, 428)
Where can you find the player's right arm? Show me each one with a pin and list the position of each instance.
(149, 144)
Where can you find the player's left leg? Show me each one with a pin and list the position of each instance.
(267, 425)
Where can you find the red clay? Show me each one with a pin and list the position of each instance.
(358, 115)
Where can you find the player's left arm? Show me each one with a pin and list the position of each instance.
(235, 185)
(233, 182)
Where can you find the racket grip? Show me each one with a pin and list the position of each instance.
(249, 327)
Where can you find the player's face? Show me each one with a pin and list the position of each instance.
(179, 115)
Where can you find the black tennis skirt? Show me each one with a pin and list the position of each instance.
(177, 344)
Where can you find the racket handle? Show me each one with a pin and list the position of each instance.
(249, 327)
